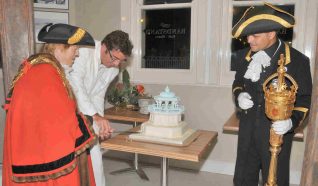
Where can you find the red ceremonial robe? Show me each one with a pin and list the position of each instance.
(43, 134)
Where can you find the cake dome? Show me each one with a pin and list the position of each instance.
(166, 102)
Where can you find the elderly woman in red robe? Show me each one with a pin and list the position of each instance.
(46, 140)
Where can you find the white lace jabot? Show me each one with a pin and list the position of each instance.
(254, 69)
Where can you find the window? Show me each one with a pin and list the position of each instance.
(166, 38)
(189, 41)
(164, 34)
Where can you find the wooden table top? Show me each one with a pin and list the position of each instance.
(125, 115)
(192, 152)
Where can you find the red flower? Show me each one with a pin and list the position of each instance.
(140, 89)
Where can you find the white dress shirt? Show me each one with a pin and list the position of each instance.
(90, 80)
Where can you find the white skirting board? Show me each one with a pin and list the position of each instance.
(222, 167)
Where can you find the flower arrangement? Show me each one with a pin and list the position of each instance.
(123, 93)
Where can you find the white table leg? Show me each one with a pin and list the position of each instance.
(164, 171)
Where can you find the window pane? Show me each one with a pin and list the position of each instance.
(284, 34)
(166, 39)
(152, 2)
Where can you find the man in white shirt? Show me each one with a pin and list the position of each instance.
(93, 71)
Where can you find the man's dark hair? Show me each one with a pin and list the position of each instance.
(118, 40)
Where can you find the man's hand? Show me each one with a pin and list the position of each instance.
(244, 101)
(105, 129)
(282, 126)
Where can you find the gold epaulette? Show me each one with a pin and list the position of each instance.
(287, 54)
(237, 88)
(304, 110)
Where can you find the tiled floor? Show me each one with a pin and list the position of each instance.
(176, 176)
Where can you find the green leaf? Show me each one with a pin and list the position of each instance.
(126, 78)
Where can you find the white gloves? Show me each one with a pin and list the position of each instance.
(259, 60)
(244, 101)
(282, 126)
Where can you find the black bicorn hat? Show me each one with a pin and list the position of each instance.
(260, 19)
(65, 34)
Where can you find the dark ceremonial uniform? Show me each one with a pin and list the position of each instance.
(43, 134)
(253, 139)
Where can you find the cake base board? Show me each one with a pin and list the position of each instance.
(185, 140)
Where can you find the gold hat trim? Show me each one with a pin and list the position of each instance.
(76, 37)
(278, 9)
(243, 15)
(260, 17)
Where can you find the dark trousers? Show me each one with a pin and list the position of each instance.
(258, 159)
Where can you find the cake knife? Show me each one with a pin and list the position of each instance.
(127, 132)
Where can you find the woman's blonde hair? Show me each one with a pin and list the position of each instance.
(50, 47)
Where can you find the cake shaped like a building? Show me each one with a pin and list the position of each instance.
(165, 124)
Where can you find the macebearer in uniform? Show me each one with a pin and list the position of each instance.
(253, 66)
(46, 140)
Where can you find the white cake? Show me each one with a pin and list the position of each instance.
(164, 119)
(165, 124)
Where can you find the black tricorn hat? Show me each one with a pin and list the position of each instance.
(262, 19)
(65, 34)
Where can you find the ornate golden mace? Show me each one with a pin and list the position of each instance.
(279, 104)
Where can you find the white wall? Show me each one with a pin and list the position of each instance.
(99, 17)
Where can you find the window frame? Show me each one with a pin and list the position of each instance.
(164, 76)
(210, 48)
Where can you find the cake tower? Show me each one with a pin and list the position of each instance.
(165, 124)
